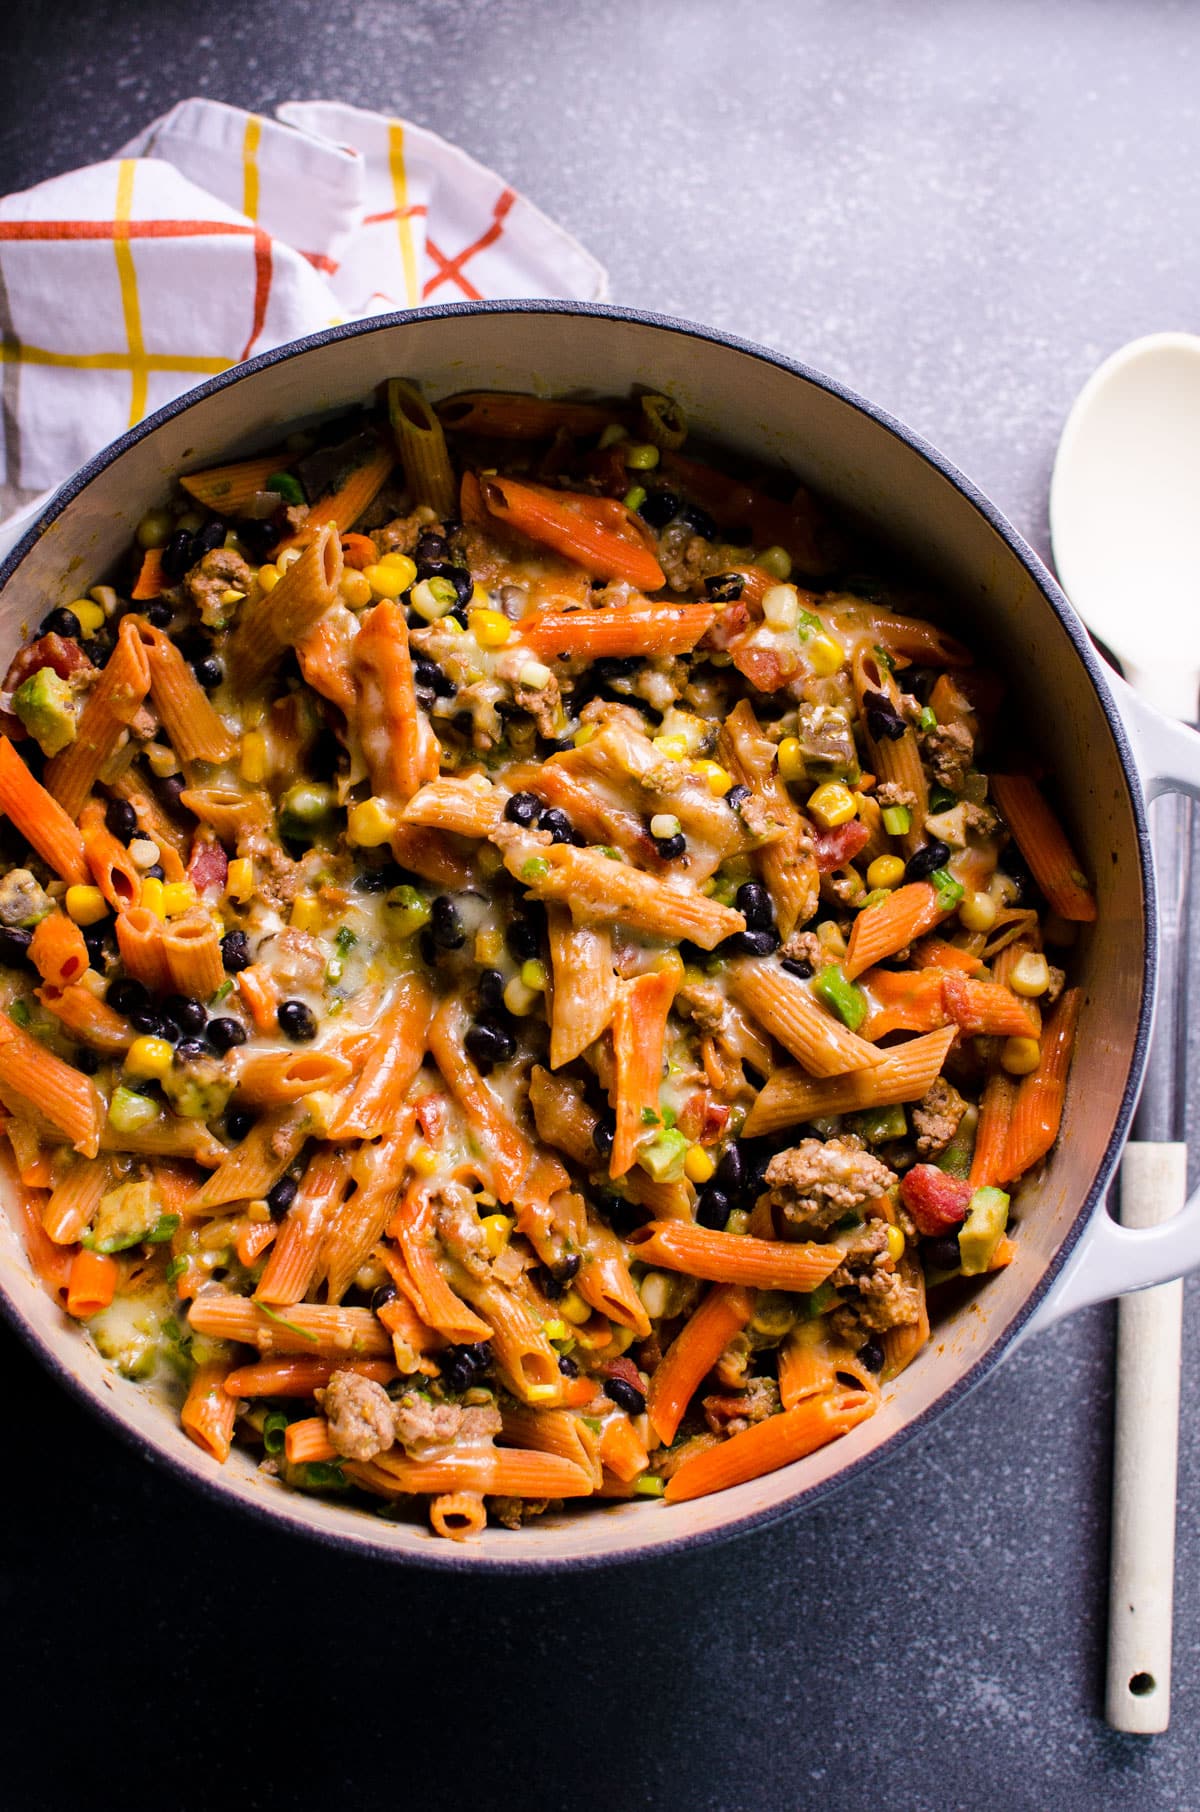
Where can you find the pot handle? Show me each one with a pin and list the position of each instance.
(1111, 1259)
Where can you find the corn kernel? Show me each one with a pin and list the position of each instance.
(491, 628)
(825, 655)
(268, 578)
(143, 852)
(895, 1244)
(481, 598)
(533, 974)
(1020, 1056)
(790, 757)
(574, 1309)
(641, 456)
(496, 1229)
(670, 963)
(370, 823)
(556, 1329)
(355, 588)
(781, 607)
(535, 675)
(321, 1110)
(519, 998)
(389, 581)
(657, 1291)
(1030, 975)
(425, 1161)
(306, 913)
(832, 804)
(239, 882)
(674, 747)
(698, 1167)
(395, 558)
(776, 561)
(155, 529)
(585, 734)
(664, 826)
(148, 1058)
(489, 947)
(231, 595)
(718, 779)
(89, 616)
(885, 871)
(86, 905)
(287, 558)
(152, 897)
(977, 911)
(178, 896)
(254, 765)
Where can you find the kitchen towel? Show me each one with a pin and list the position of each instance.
(216, 234)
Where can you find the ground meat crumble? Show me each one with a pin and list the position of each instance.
(818, 1181)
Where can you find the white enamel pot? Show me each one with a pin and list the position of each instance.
(1108, 752)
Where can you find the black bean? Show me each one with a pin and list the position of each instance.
(550, 1287)
(99, 647)
(223, 1034)
(120, 819)
(194, 642)
(758, 942)
(490, 988)
(603, 1138)
(431, 547)
(189, 1049)
(296, 1021)
(736, 797)
(942, 1254)
(523, 939)
(235, 952)
(281, 1196)
(699, 521)
(931, 855)
(156, 872)
(62, 622)
(625, 1395)
(557, 823)
(523, 809)
(754, 903)
(713, 1208)
(385, 1293)
(622, 1215)
(799, 966)
(126, 996)
(459, 577)
(731, 1170)
(724, 588)
(159, 613)
(871, 1355)
(461, 1365)
(238, 1122)
(177, 556)
(259, 537)
(671, 848)
(187, 1014)
(14, 945)
(883, 720)
(445, 924)
(567, 1366)
(209, 672)
(98, 946)
(432, 678)
(568, 1267)
(87, 1061)
(659, 507)
(211, 536)
(488, 1042)
(152, 1025)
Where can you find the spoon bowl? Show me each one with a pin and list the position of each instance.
(1125, 514)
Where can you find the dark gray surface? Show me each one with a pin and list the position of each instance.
(958, 210)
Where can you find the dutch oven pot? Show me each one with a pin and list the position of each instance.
(1109, 754)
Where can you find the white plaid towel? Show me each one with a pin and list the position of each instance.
(216, 234)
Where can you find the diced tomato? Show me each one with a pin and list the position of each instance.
(730, 621)
(702, 1119)
(57, 651)
(208, 865)
(625, 1369)
(835, 847)
(766, 667)
(937, 1202)
(431, 1116)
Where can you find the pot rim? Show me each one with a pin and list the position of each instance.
(450, 1555)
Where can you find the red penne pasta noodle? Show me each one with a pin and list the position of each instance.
(784, 1006)
(112, 867)
(300, 1377)
(140, 941)
(225, 489)
(500, 1472)
(1037, 1110)
(989, 1164)
(57, 950)
(317, 1329)
(208, 1412)
(692, 1354)
(880, 931)
(734, 1258)
(639, 1028)
(91, 1284)
(766, 1446)
(195, 730)
(622, 630)
(1043, 843)
(111, 707)
(40, 819)
(294, 1262)
(306, 1441)
(599, 533)
(511, 415)
(904, 1073)
(399, 746)
(60, 1095)
(91, 1020)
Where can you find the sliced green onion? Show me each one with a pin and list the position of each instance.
(897, 820)
(289, 488)
(634, 497)
(927, 720)
(274, 1432)
(284, 1323)
(162, 1230)
(648, 1486)
(949, 891)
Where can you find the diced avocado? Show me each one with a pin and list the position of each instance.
(307, 810)
(879, 1124)
(982, 1231)
(44, 704)
(662, 1156)
(125, 1334)
(827, 742)
(956, 1158)
(23, 901)
(841, 996)
(125, 1216)
(198, 1089)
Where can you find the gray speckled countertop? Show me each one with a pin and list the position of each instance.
(958, 209)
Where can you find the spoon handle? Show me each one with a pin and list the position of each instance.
(1145, 1444)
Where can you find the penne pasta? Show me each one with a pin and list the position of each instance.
(904, 1073)
(600, 890)
(726, 1309)
(639, 1031)
(784, 1006)
(40, 819)
(269, 625)
(400, 749)
(208, 1412)
(225, 489)
(112, 867)
(295, 1261)
(1037, 1109)
(58, 1094)
(584, 985)
(318, 1330)
(734, 1258)
(421, 442)
(271, 1078)
(195, 730)
(191, 947)
(1043, 843)
(621, 631)
(111, 707)
(57, 950)
(766, 1446)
